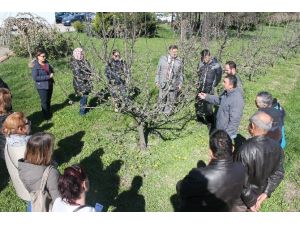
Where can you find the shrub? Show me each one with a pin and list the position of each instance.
(117, 24)
(79, 26)
(55, 44)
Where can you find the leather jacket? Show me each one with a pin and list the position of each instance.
(209, 76)
(263, 159)
(212, 188)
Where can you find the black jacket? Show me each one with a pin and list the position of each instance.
(213, 188)
(3, 84)
(263, 159)
(117, 72)
(82, 82)
(209, 76)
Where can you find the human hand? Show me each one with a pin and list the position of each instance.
(253, 208)
(51, 75)
(260, 200)
(202, 95)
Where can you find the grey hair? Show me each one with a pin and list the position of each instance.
(255, 119)
(265, 99)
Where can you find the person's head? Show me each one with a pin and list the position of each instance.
(5, 101)
(229, 82)
(230, 68)
(220, 145)
(260, 123)
(78, 54)
(206, 56)
(173, 49)
(264, 99)
(116, 55)
(40, 56)
(39, 149)
(16, 123)
(72, 183)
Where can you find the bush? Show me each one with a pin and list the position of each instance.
(116, 24)
(79, 26)
(53, 43)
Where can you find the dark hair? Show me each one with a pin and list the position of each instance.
(173, 47)
(5, 101)
(39, 52)
(114, 51)
(39, 149)
(266, 99)
(70, 183)
(220, 144)
(231, 64)
(232, 80)
(204, 53)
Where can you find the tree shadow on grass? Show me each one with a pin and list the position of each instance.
(3, 174)
(68, 147)
(104, 183)
(131, 200)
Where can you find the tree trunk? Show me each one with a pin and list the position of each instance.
(141, 130)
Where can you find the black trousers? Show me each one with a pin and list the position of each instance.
(45, 96)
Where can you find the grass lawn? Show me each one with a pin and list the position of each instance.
(122, 177)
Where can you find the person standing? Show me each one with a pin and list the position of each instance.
(263, 159)
(73, 186)
(118, 76)
(36, 162)
(42, 74)
(217, 186)
(16, 129)
(169, 80)
(82, 77)
(209, 76)
(230, 69)
(231, 106)
(5, 110)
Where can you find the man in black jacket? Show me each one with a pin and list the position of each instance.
(263, 159)
(209, 76)
(216, 187)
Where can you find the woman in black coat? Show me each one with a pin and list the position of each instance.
(42, 74)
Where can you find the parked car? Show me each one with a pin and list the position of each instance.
(90, 16)
(67, 21)
(60, 15)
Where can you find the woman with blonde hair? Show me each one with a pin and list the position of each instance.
(16, 129)
(37, 161)
(5, 110)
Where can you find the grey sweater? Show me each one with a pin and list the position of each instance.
(230, 112)
(31, 176)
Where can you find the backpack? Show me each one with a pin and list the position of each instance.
(277, 106)
(41, 199)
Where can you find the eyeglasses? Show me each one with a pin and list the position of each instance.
(43, 56)
(28, 122)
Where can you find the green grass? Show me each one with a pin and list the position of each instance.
(104, 143)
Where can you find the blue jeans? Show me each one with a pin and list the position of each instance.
(83, 103)
(28, 208)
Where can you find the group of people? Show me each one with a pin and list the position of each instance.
(32, 170)
(237, 178)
